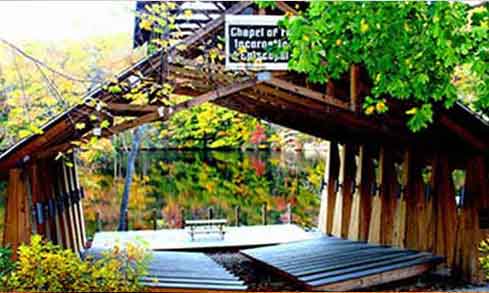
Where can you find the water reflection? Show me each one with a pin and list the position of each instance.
(169, 181)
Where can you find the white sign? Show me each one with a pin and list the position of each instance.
(249, 39)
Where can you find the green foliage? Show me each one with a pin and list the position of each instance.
(266, 3)
(208, 126)
(484, 259)
(6, 262)
(44, 267)
(411, 50)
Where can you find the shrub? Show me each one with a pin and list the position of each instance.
(44, 267)
(484, 259)
(6, 262)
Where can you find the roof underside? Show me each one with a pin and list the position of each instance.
(284, 98)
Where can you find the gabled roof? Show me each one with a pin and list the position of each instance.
(285, 98)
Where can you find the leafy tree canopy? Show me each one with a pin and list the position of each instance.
(419, 52)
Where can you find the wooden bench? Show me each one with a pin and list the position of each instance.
(206, 227)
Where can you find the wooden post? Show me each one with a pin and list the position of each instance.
(61, 206)
(155, 219)
(380, 230)
(79, 189)
(328, 194)
(17, 214)
(354, 69)
(210, 213)
(400, 218)
(182, 217)
(72, 217)
(445, 209)
(264, 213)
(289, 213)
(98, 222)
(361, 206)
(387, 198)
(344, 193)
(237, 216)
(72, 191)
(476, 194)
(414, 194)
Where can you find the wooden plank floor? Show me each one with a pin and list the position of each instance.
(170, 271)
(335, 264)
(179, 239)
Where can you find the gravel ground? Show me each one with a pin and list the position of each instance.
(261, 279)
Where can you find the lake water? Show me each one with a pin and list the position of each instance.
(168, 182)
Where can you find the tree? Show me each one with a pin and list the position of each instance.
(411, 51)
(131, 161)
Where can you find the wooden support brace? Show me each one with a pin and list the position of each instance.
(362, 195)
(17, 214)
(400, 218)
(328, 193)
(344, 193)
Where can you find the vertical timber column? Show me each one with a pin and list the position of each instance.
(445, 209)
(17, 214)
(37, 200)
(62, 210)
(72, 219)
(414, 194)
(328, 194)
(69, 181)
(387, 196)
(80, 201)
(354, 229)
(400, 218)
(362, 198)
(475, 197)
(376, 207)
(343, 205)
(381, 220)
(426, 225)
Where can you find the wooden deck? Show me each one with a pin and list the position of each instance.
(334, 264)
(179, 239)
(186, 272)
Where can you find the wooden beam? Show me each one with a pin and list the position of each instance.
(168, 112)
(376, 279)
(286, 8)
(354, 80)
(122, 109)
(212, 26)
(288, 86)
(463, 133)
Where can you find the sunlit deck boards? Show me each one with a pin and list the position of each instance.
(179, 239)
(329, 263)
(170, 271)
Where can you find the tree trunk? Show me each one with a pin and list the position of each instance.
(131, 160)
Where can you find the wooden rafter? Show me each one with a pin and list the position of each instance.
(162, 113)
(286, 8)
(288, 86)
(121, 109)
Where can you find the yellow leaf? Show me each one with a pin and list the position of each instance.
(80, 125)
(370, 110)
(363, 26)
(187, 13)
(412, 111)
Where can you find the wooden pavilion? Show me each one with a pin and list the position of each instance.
(384, 184)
